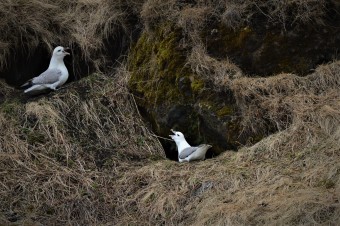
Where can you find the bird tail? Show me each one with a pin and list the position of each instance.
(29, 89)
(35, 89)
(25, 85)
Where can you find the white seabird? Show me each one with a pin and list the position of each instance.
(186, 153)
(55, 75)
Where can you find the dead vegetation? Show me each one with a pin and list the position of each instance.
(289, 178)
(83, 156)
(61, 154)
(192, 16)
(29, 24)
(307, 102)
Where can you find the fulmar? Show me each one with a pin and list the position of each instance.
(55, 75)
(187, 153)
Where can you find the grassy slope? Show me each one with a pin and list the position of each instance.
(82, 155)
(289, 178)
(61, 154)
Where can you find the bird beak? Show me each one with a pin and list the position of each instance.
(66, 49)
(172, 136)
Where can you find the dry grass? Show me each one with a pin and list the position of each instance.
(220, 72)
(193, 16)
(83, 156)
(307, 102)
(289, 178)
(249, 187)
(27, 24)
(61, 154)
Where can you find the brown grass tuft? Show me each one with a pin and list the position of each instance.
(220, 72)
(308, 103)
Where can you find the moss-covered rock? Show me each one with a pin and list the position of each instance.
(157, 65)
(171, 95)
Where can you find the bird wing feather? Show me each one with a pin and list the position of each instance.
(49, 76)
(187, 151)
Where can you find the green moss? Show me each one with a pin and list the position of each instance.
(239, 38)
(232, 132)
(228, 40)
(283, 61)
(161, 81)
(327, 183)
(205, 104)
(197, 86)
(157, 63)
(213, 104)
(10, 107)
(226, 110)
(156, 157)
(35, 137)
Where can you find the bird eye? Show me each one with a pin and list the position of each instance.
(59, 50)
(177, 135)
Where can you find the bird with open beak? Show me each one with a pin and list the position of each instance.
(187, 153)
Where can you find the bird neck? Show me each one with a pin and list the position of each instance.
(182, 145)
(56, 62)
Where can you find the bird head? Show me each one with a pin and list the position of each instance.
(60, 52)
(177, 137)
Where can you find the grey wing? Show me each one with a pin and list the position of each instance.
(50, 76)
(187, 151)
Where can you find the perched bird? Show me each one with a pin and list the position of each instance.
(186, 153)
(55, 75)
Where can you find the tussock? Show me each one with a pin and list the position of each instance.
(309, 103)
(219, 72)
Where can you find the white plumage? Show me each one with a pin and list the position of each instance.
(186, 153)
(55, 75)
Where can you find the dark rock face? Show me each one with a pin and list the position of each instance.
(22, 66)
(263, 49)
(265, 53)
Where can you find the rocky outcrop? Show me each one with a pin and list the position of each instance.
(170, 94)
(264, 51)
